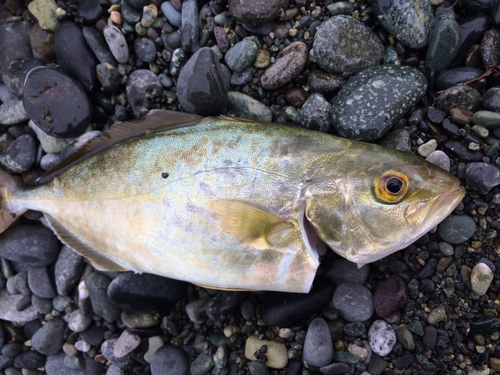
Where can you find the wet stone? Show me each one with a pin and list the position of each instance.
(405, 337)
(49, 338)
(381, 337)
(490, 48)
(315, 113)
(47, 95)
(461, 150)
(14, 43)
(244, 106)
(196, 310)
(344, 271)
(74, 55)
(491, 99)
(472, 30)
(242, 78)
(481, 278)
(190, 25)
(170, 360)
(41, 282)
(430, 336)
(344, 44)
(288, 65)
(444, 43)
(390, 296)
(464, 97)
(99, 46)
(15, 74)
(19, 156)
(42, 44)
(117, 43)
(354, 302)
(200, 87)
(354, 329)
(385, 92)
(453, 77)
(141, 83)
(410, 22)
(256, 12)
(145, 292)
(324, 82)
(145, 49)
(487, 119)
(318, 346)
(29, 244)
(428, 269)
(482, 177)
(258, 368)
(241, 55)
(457, 229)
(107, 349)
(90, 11)
(97, 286)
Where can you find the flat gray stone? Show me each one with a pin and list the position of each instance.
(8, 311)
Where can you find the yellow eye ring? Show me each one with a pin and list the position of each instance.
(391, 187)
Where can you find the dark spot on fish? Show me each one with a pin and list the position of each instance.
(164, 175)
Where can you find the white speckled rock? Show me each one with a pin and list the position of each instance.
(481, 278)
(381, 337)
(277, 354)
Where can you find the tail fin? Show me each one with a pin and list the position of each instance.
(9, 210)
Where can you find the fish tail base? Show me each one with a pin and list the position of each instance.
(9, 210)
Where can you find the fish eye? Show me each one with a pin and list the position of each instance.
(391, 187)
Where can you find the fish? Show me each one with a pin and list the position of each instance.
(232, 204)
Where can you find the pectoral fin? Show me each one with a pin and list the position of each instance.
(249, 224)
(71, 240)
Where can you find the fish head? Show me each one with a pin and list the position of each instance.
(379, 202)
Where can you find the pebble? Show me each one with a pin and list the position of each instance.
(29, 360)
(241, 55)
(139, 85)
(481, 278)
(436, 315)
(277, 355)
(318, 346)
(12, 112)
(428, 269)
(472, 30)
(244, 106)
(491, 99)
(482, 177)
(256, 12)
(354, 329)
(131, 14)
(15, 74)
(487, 119)
(126, 343)
(145, 292)
(90, 11)
(461, 116)
(440, 159)
(258, 368)
(405, 337)
(97, 286)
(77, 322)
(324, 82)
(490, 48)
(145, 49)
(154, 343)
(288, 65)
(196, 310)
(315, 113)
(41, 282)
(444, 43)
(54, 365)
(335, 368)
(354, 302)
(390, 296)
(41, 305)
(427, 148)
(49, 161)
(47, 95)
(200, 87)
(344, 271)
(74, 55)
(170, 360)
(202, 364)
(134, 320)
(68, 269)
(29, 244)
(461, 96)
(172, 14)
(149, 15)
(416, 327)
(14, 43)
(262, 59)
(430, 336)
(9, 311)
(190, 25)
(19, 155)
(335, 51)
(45, 13)
(287, 309)
(116, 43)
(381, 337)
(49, 339)
(453, 77)
(12, 350)
(385, 92)
(107, 349)
(50, 144)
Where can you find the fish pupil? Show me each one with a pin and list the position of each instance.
(394, 185)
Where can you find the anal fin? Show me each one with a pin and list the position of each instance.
(71, 240)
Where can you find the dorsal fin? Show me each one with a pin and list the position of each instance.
(155, 121)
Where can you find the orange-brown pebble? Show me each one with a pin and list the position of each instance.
(116, 17)
(461, 116)
(296, 96)
(100, 358)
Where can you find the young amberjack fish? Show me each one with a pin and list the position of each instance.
(233, 204)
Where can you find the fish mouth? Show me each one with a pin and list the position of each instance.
(446, 203)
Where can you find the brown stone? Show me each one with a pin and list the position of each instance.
(495, 364)
(390, 296)
(42, 44)
(281, 31)
(443, 264)
(296, 96)
(288, 65)
(461, 116)
(256, 12)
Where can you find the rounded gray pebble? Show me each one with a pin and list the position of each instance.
(49, 338)
(457, 229)
(318, 346)
(354, 302)
(344, 271)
